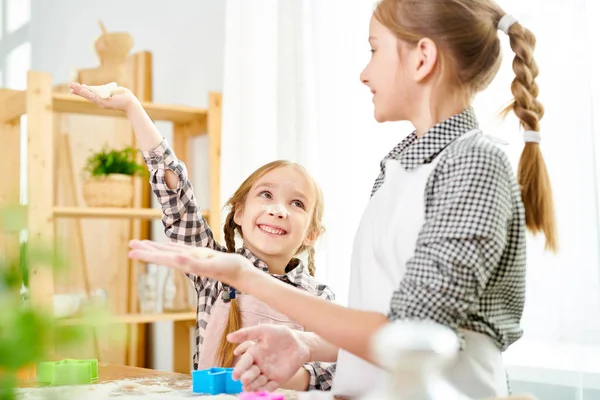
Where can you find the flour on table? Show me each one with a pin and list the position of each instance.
(126, 389)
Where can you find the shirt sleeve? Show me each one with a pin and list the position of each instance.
(461, 241)
(321, 373)
(181, 219)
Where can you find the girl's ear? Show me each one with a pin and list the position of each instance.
(311, 237)
(238, 215)
(426, 54)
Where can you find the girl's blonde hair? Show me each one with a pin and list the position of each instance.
(225, 355)
(466, 32)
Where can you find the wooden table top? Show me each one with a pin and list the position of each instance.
(111, 373)
(140, 378)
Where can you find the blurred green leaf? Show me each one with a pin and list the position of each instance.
(13, 219)
(30, 344)
(27, 334)
(7, 383)
(23, 264)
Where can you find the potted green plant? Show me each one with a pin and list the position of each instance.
(110, 177)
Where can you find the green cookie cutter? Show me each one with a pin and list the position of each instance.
(67, 372)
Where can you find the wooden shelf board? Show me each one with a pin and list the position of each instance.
(69, 103)
(137, 318)
(110, 212)
(13, 104)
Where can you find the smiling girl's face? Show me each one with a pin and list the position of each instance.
(276, 215)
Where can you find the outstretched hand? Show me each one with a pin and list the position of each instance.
(199, 261)
(121, 99)
(270, 356)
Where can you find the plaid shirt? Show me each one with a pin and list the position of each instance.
(468, 268)
(184, 223)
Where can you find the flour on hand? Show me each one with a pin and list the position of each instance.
(107, 90)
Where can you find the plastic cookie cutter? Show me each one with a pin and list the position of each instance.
(262, 396)
(67, 372)
(215, 381)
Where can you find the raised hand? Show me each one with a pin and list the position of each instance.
(121, 98)
(270, 356)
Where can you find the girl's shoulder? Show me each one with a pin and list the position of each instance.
(479, 151)
(309, 283)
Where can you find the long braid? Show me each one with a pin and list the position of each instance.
(229, 231)
(532, 175)
(311, 261)
(225, 356)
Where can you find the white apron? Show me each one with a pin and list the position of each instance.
(384, 241)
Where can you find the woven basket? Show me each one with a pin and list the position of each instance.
(114, 190)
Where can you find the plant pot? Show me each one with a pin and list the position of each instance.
(113, 190)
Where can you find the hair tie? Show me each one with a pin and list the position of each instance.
(532, 137)
(228, 295)
(506, 22)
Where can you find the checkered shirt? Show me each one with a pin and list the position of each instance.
(184, 223)
(468, 268)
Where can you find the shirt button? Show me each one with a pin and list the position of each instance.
(158, 158)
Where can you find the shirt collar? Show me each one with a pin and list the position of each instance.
(414, 151)
(293, 270)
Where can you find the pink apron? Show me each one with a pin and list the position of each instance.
(253, 312)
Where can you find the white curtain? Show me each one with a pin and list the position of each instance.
(292, 90)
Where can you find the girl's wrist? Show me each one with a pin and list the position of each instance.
(304, 343)
(248, 276)
(134, 107)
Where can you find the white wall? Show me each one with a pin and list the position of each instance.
(186, 38)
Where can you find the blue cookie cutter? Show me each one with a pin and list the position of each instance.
(215, 381)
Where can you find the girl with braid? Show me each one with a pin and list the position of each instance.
(443, 237)
(276, 212)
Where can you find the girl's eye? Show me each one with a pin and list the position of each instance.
(298, 203)
(265, 194)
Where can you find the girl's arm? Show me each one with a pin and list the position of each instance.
(347, 328)
(299, 382)
(148, 137)
(182, 220)
(317, 374)
(319, 348)
(168, 178)
(343, 327)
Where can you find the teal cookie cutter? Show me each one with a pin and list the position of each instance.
(67, 372)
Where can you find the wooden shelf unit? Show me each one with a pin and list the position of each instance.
(40, 103)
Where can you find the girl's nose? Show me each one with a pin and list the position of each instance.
(277, 210)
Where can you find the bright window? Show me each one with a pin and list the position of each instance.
(1, 18)
(18, 13)
(17, 63)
